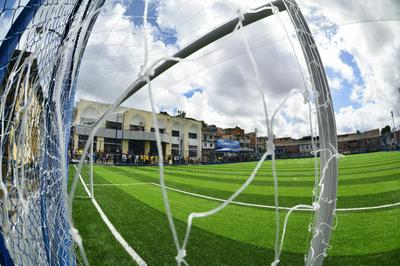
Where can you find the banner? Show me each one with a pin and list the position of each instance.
(227, 144)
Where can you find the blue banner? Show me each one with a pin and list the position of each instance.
(227, 144)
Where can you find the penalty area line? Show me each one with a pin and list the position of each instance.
(370, 208)
(273, 207)
(223, 200)
(125, 184)
(114, 231)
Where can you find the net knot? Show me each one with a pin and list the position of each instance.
(180, 256)
(75, 236)
(275, 11)
(240, 14)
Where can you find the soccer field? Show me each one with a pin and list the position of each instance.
(241, 235)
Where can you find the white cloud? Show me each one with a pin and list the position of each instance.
(369, 31)
(230, 95)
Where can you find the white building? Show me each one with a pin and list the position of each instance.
(131, 131)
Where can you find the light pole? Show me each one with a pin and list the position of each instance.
(394, 129)
(122, 131)
(255, 132)
(181, 136)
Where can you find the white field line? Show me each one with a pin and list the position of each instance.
(248, 204)
(123, 184)
(81, 197)
(273, 207)
(370, 208)
(114, 231)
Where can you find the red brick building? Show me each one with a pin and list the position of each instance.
(367, 141)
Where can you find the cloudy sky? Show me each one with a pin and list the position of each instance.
(358, 40)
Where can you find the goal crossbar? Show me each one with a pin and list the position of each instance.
(210, 37)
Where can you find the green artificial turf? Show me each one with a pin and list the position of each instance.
(241, 235)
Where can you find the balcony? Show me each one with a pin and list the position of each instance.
(122, 134)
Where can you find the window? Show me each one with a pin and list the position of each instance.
(113, 125)
(192, 151)
(152, 129)
(175, 146)
(136, 128)
(112, 145)
(161, 130)
(175, 133)
(211, 145)
(192, 135)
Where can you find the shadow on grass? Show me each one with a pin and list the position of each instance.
(343, 202)
(147, 231)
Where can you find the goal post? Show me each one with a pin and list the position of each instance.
(326, 204)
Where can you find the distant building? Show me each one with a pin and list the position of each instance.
(307, 146)
(209, 135)
(235, 133)
(286, 147)
(262, 144)
(251, 140)
(367, 141)
(131, 131)
(219, 131)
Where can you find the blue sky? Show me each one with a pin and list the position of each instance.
(341, 95)
(341, 98)
(189, 94)
(135, 11)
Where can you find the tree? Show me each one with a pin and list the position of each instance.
(386, 130)
(181, 114)
(164, 113)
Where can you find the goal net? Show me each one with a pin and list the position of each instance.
(41, 46)
(41, 51)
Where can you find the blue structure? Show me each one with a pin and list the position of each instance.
(227, 145)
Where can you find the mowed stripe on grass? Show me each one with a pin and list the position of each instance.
(361, 237)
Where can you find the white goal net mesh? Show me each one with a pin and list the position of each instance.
(40, 57)
(41, 46)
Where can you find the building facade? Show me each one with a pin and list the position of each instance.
(367, 141)
(209, 135)
(131, 131)
(262, 144)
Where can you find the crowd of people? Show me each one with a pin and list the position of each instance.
(118, 158)
(236, 157)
